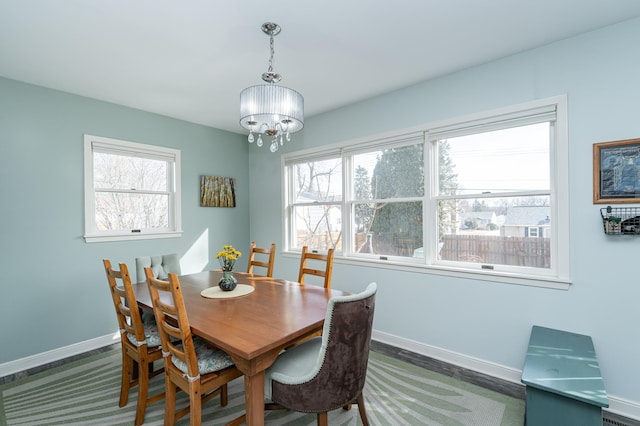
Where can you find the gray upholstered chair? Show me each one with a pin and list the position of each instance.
(161, 266)
(328, 372)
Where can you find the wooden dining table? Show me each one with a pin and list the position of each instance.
(254, 328)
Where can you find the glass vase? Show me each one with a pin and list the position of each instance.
(228, 282)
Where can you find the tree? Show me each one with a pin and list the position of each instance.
(398, 173)
(448, 184)
(362, 191)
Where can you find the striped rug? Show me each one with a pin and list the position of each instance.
(86, 392)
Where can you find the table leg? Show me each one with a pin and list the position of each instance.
(254, 398)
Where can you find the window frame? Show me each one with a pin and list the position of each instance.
(557, 277)
(93, 144)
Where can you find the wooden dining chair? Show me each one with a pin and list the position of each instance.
(306, 269)
(268, 264)
(328, 372)
(191, 364)
(139, 339)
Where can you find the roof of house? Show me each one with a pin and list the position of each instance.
(528, 215)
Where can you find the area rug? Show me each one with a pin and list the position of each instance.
(86, 392)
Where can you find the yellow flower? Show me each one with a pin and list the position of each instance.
(228, 257)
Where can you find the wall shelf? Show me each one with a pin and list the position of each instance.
(621, 220)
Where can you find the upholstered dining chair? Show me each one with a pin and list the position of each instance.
(306, 269)
(140, 341)
(328, 372)
(267, 264)
(161, 266)
(191, 364)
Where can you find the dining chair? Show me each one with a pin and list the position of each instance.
(268, 264)
(328, 372)
(161, 266)
(306, 269)
(191, 364)
(139, 339)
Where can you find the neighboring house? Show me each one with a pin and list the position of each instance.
(479, 220)
(526, 221)
(316, 218)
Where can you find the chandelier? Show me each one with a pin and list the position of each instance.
(269, 109)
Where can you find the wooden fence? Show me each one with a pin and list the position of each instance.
(517, 251)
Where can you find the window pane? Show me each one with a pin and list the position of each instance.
(390, 173)
(395, 229)
(317, 181)
(113, 171)
(496, 231)
(509, 160)
(117, 211)
(318, 227)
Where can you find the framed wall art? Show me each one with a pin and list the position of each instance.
(217, 191)
(616, 172)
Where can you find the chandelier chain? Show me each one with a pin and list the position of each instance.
(271, 45)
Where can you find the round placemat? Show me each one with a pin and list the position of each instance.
(217, 293)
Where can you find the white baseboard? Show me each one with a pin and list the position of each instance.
(620, 406)
(23, 364)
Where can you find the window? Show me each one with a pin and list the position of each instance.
(485, 195)
(316, 203)
(132, 191)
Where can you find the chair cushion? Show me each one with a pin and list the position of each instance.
(293, 365)
(150, 331)
(210, 358)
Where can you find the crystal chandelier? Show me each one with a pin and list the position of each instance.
(269, 109)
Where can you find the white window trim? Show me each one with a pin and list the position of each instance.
(558, 278)
(92, 235)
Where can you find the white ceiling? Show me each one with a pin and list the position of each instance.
(189, 59)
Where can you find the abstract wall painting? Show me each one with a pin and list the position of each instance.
(217, 191)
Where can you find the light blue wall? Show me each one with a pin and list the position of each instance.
(600, 74)
(54, 290)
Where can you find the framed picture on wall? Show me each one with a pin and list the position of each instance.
(616, 172)
(217, 191)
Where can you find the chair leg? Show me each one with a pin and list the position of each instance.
(224, 395)
(143, 391)
(126, 379)
(195, 405)
(362, 410)
(169, 402)
(323, 419)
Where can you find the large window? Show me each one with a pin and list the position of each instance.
(132, 190)
(485, 195)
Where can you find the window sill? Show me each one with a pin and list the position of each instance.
(549, 282)
(131, 237)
